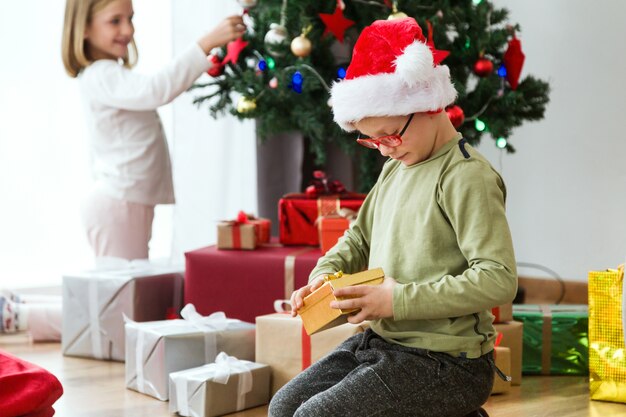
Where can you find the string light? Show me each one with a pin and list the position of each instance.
(341, 73)
(480, 125)
(467, 43)
(502, 71)
(271, 63)
(296, 82)
(262, 65)
(477, 2)
(501, 142)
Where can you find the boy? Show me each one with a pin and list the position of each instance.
(435, 222)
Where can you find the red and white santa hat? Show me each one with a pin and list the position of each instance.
(392, 73)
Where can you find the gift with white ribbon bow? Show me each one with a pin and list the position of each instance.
(226, 386)
(156, 349)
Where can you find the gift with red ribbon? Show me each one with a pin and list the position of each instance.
(240, 233)
(284, 345)
(298, 212)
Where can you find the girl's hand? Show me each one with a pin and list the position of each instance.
(227, 30)
(297, 296)
(374, 301)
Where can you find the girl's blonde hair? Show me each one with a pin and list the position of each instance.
(78, 14)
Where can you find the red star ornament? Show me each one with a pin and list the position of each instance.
(438, 55)
(336, 23)
(233, 49)
(513, 62)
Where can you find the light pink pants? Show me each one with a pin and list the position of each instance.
(117, 228)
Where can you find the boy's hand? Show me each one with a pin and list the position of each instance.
(227, 30)
(374, 301)
(297, 296)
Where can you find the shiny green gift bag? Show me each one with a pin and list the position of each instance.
(555, 339)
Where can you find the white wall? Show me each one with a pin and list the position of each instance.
(567, 180)
(214, 160)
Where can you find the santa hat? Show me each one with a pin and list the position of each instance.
(392, 73)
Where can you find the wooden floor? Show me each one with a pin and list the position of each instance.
(96, 389)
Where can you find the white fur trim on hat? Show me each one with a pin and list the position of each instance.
(390, 95)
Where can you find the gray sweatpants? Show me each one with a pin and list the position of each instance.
(367, 376)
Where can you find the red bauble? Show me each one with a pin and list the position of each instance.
(217, 68)
(513, 61)
(483, 67)
(456, 116)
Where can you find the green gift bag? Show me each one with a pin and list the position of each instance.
(555, 339)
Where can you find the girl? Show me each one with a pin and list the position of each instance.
(131, 163)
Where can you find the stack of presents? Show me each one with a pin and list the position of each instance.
(233, 345)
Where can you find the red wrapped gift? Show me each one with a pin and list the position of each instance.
(26, 389)
(263, 228)
(244, 285)
(297, 215)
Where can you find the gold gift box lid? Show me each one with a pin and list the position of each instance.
(316, 313)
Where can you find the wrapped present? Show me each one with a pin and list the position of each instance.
(271, 272)
(316, 313)
(263, 228)
(502, 357)
(95, 302)
(240, 233)
(26, 389)
(555, 339)
(503, 313)
(331, 228)
(512, 338)
(219, 388)
(283, 344)
(298, 213)
(156, 349)
(607, 363)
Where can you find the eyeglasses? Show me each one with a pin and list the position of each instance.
(391, 140)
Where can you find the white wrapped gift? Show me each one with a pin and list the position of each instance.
(219, 388)
(156, 349)
(95, 303)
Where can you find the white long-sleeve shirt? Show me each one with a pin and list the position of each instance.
(130, 157)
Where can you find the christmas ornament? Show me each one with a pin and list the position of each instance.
(438, 55)
(273, 82)
(336, 23)
(456, 116)
(245, 105)
(514, 61)
(274, 39)
(247, 4)
(217, 68)
(395, 14)
(233, 49)
(301, 46)
(483, 67)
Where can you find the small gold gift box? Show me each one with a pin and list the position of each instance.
(316, 312)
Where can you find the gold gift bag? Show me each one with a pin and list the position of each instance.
(607, 360)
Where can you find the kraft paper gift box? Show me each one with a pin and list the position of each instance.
(283, 344)
(95, 302)
(219, 388)
(316, 313)
(607, 315)
(503, 313)
(502, 357)
(512, 338)
(156, 349)
(555, 339)
(236, 235)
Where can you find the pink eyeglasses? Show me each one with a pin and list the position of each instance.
(391, 140)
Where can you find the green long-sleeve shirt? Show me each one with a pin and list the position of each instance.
(439, 229)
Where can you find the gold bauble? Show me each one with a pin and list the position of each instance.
(397, 15)
(245, 105)
(301, 46)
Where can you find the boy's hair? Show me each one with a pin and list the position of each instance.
(78, 14)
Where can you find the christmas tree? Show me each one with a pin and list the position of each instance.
(282, 69)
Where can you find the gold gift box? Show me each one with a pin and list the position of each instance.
(316, 313)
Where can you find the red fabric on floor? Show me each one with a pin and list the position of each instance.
(26, 389)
